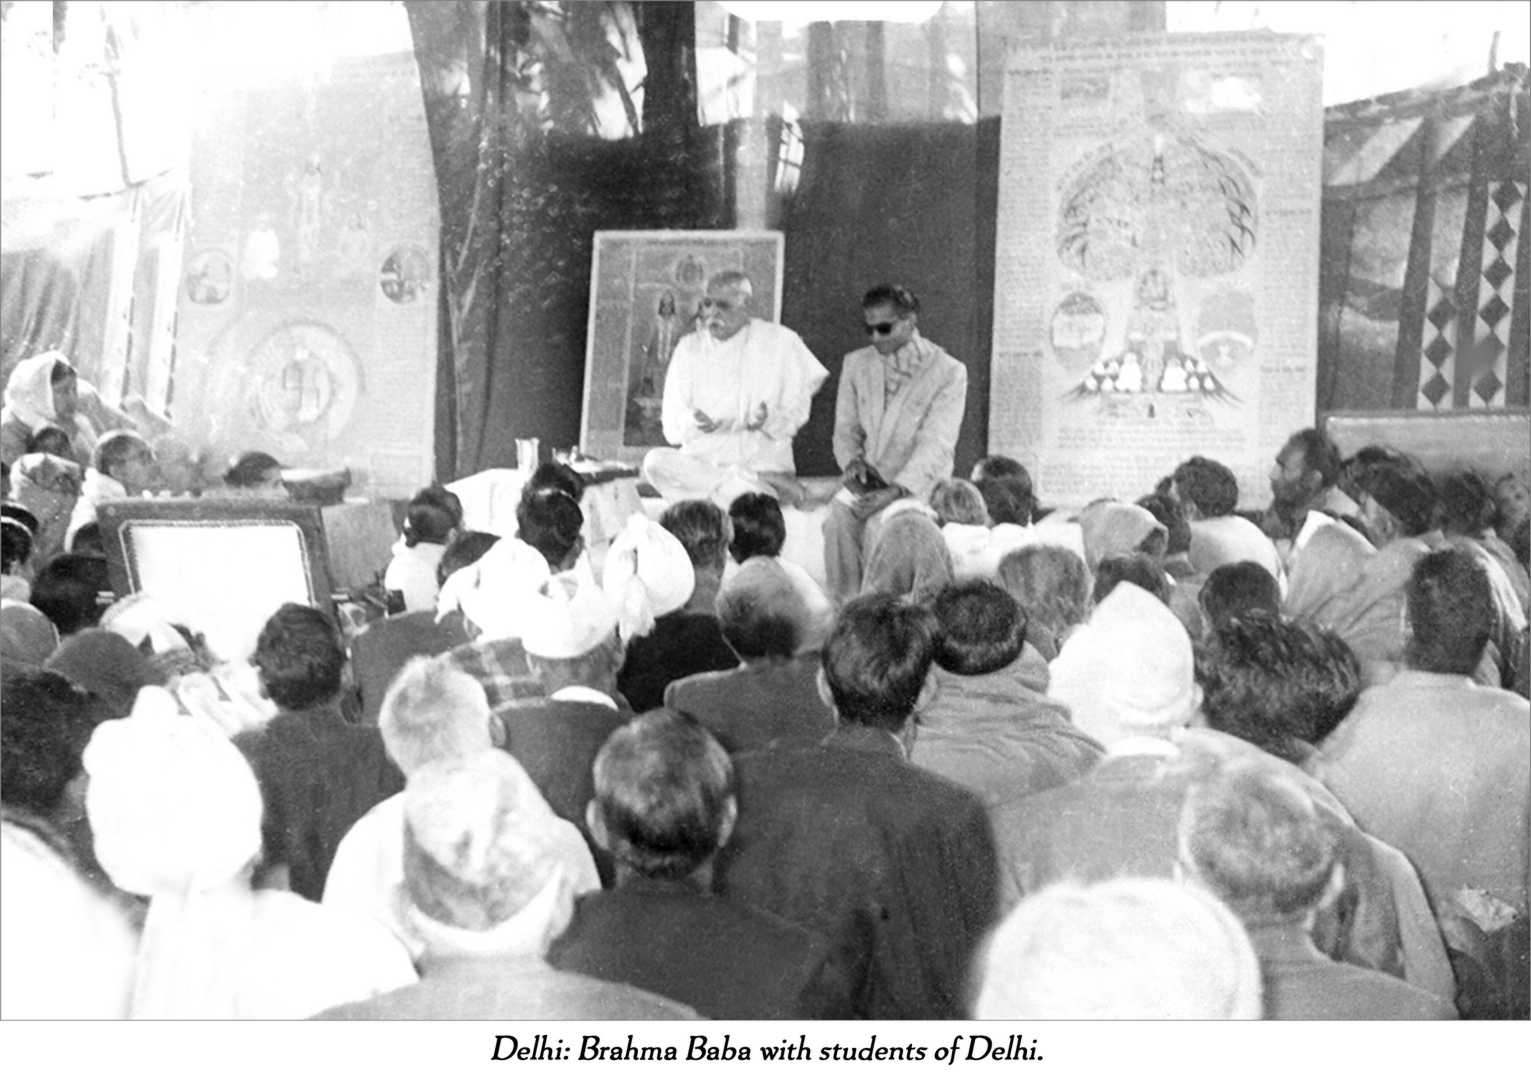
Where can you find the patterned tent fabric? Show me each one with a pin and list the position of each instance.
(1423, 283)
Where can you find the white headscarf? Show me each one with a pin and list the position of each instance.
(565, 619)
(647, 574)
(29, 390)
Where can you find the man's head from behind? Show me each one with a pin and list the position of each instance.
(1255, 840)
(982, 628)
(702, 529)
(1006, 488)
(1235, 590)
(1450, 611)
(664, 795)
(1396, 496)
(758, 526)
(486, 865)
(551, 521)
(876, 660)
(433, 712)
(1124, 949)
(1206, 488)
(1283, 686)
(570, 636)
(958, 502)
(66, 590)
(299, 657)
(726, 307)
(761, 612)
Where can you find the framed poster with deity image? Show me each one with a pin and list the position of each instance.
(646, 290)
(222, 565)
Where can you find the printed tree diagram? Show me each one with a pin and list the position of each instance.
(1160, 210)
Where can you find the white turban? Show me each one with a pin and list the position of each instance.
(491, 592)
(173, 806)
(567, 618)
(1129, 669)
(141, 616)
(648, 574)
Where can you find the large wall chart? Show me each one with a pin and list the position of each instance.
(1156, 286)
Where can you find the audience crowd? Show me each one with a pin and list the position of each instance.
(1165, 756)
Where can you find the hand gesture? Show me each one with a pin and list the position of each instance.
(757, 418)
(873, 501)
(705, 422)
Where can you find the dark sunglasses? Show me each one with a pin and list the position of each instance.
(882, 329)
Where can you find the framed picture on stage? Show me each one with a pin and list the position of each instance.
(221, 565)
(646, 290)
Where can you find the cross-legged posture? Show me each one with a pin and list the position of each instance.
(735, 393)
(897, 415)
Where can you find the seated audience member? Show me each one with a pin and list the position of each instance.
(1236, 590)
(171, 649)
(48, 720)
(1126, 949)
(16, 553)
(1327, 561)
(1177, 530)
(50, 440)
(1118, 528)
(1257, 842)
(893, 864)
(1306, 477)
(1006, 488)
(104, 664)
(555, 474)
(489, 592)
(318, 774)
(1283, 686)
(66, 590)
(87, 540)
(773, 695)
(68, 951)
(488, 885)
(433, 712)
(1209, 494)
(1441, 768)
(380, 650)
(27, 636)
(1467, 512)
(758, 530)
(1128, 679)
(44, 391)
(664, 581)
(1397, 501)
(1512, 503)
(572, 646)
(985, 726)
(176, 815)
(123, 467)
(664, 805)
(47, 486)
(429, 525)
(908, 558)
(1052, 585)
(1141, 570)
(964, 522)
(255, 474)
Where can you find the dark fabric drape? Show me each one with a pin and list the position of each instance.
(1423, 288)
(519, 210)
(912, 204)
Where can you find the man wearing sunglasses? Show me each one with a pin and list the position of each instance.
(897, 415)
(735, 393)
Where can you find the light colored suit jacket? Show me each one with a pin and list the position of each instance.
(912, 439)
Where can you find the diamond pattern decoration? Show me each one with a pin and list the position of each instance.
(1496, 289)
(1443, 313)
(1435, 390)
(1438, 345)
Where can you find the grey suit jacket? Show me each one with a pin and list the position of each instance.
(912, 439)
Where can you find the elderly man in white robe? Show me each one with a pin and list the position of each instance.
(736, 392)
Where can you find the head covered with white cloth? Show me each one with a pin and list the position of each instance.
(648, 574)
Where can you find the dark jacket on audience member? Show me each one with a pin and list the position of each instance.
(556, 742)
(1302, 983)
(727, 960)
(748, 708)
(682, 643)
(318, 775)
(383, 647)
(892, 863)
